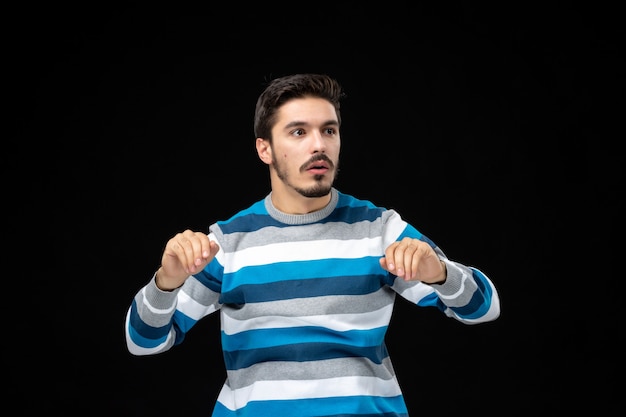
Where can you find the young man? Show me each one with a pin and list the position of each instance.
(305, 279)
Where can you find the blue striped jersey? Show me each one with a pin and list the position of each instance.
(304, 307)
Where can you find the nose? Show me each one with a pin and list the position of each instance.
(318, 142)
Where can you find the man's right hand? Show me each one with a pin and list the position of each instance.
(185, 254)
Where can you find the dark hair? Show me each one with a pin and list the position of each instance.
(280, 90)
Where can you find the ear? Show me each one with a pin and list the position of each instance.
(264, 150)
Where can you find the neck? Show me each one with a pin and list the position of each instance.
(289, 201)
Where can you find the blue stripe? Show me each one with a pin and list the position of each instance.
(256, 208)
(478, 306)
(302, 352)
(289, 271)
(475, 308)
(432, 300)
(354, 406)
(262, 338)
(143, 334)
(285, 290)
(248, 223)
(149, 337)
(256, 217)
(351, 201)
(353, 214)
(144, 342)
(183, 321)
(413, 233)
(207, 276)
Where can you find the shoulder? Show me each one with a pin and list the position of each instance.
(348, 200)
(253, 216)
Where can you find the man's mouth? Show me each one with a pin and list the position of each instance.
(318, 168)
(320, 165)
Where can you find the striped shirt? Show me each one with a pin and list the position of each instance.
(304, 307)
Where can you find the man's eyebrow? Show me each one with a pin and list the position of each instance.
(295, 123)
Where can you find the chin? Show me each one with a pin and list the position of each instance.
(318, 190)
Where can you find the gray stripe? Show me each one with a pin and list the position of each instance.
(199, 293)
(298, 219)
(456, 273)
(331, 368)
(302, 232)
(342, 304)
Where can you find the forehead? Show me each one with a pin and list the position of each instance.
(309, 110)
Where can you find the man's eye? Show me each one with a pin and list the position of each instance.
(330, 131)
(298, 132)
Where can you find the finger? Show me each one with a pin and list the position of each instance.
(404, 258)
(202, 246)
(197, 248)
(421, 249)
(383, 263)
(387, 262)
(187, 248)
(401, 250)
(182, 249)
(214, 247)
(408, 260)
(209, 248)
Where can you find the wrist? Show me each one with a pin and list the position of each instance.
(444, 274)
(162, 284)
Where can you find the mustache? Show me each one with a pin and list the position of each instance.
(318, 157)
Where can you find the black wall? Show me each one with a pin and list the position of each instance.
(494, 130)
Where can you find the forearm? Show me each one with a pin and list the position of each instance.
(468, 294)
(149, 321)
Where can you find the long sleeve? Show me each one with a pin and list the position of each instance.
(304, 309)
(157, 320)
(467, 295)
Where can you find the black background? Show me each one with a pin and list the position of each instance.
(494, 129)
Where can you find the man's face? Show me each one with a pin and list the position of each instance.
(305, 146)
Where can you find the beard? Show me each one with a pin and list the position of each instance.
(319, 189)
